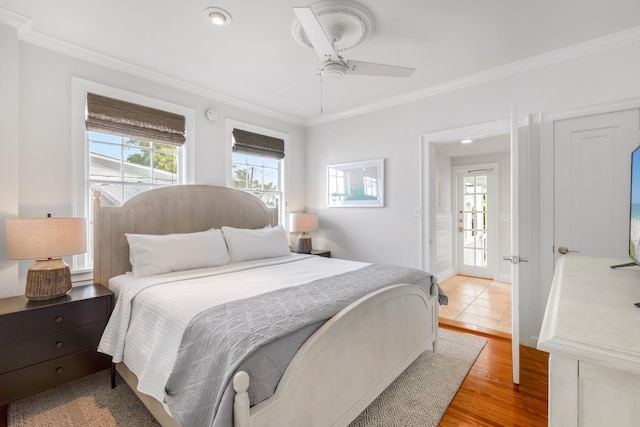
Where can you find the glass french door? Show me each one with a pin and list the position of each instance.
(473, 223)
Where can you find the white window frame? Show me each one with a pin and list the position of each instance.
(234, 124)
(81, 199)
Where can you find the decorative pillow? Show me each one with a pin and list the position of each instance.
(156, 254)
(246, 245)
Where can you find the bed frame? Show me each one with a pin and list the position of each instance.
(341, 368)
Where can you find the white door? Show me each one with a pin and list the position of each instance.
(592, 158)
(519, 198)
(477, 197)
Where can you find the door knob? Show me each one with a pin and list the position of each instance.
(565, 250)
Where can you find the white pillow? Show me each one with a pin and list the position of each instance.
(156, 254)
(246, 245)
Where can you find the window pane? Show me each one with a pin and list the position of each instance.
(238, 157)
(468, 220)
(481, 258)
(468, 184)
(104, 137)
(104, 162)
(481, 240)
(255, 178)
(468, 256)
(164, 177)
(469, 202)
(253, 160)
(271, 162)
(481, 184)
(137, 165)
(239, 176)
(165, 147)
(270, 180)
(468, 237)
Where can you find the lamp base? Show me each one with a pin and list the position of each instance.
(303, 244)
(48, 279)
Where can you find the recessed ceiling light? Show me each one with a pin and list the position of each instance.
(217, 16)
(467, 141)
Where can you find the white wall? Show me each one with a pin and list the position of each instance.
(44, 107)
(392, 234)
(9, 96)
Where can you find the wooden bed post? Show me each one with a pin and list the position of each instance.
(241, 413)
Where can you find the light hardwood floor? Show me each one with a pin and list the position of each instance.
(477, 304)
(488, 396)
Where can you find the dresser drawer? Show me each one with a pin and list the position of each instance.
(35, 378)
(27, 324)
(24, 353)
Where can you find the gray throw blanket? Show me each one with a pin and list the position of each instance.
(219, 339)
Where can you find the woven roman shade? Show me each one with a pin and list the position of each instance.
(260, 145)
(135, 121)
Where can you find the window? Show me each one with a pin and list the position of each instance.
(257, 165)
(124, 144)
(121, 167)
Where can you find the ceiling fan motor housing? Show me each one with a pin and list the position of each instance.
(333, 69)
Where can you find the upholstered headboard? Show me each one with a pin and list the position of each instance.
(175, 209)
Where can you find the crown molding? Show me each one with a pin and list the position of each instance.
(619, 39)
(125, 67)
(15, 20)
(611, 41)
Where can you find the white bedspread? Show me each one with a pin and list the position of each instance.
(147, 339)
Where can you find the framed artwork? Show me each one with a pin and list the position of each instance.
(356, 184)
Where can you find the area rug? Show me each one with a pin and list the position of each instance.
(418, 397)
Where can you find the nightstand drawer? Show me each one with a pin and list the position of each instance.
(24, 353)
(35, 378)
(28, 324)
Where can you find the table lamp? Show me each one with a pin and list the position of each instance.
(46, 240)
(303, 223)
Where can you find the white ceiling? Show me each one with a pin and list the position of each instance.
(256, 60)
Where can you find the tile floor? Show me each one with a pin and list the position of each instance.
(480, 302)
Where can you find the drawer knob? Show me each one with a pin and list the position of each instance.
(59, 344)
(59, 371)
(59, 319)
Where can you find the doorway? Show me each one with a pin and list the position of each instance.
(518, 130)
(474, 209)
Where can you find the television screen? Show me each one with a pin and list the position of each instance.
(634, 224)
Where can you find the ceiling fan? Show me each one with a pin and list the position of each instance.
(323, 42)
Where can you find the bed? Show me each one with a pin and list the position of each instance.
(316, 371)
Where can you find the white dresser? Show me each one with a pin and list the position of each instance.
(592, 331)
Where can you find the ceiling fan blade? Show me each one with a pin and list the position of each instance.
(316, 35)
(373, 69)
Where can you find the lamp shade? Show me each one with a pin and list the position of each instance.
(40, 238)
(303, 222)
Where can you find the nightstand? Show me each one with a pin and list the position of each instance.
(320, 252)
(47, 343)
